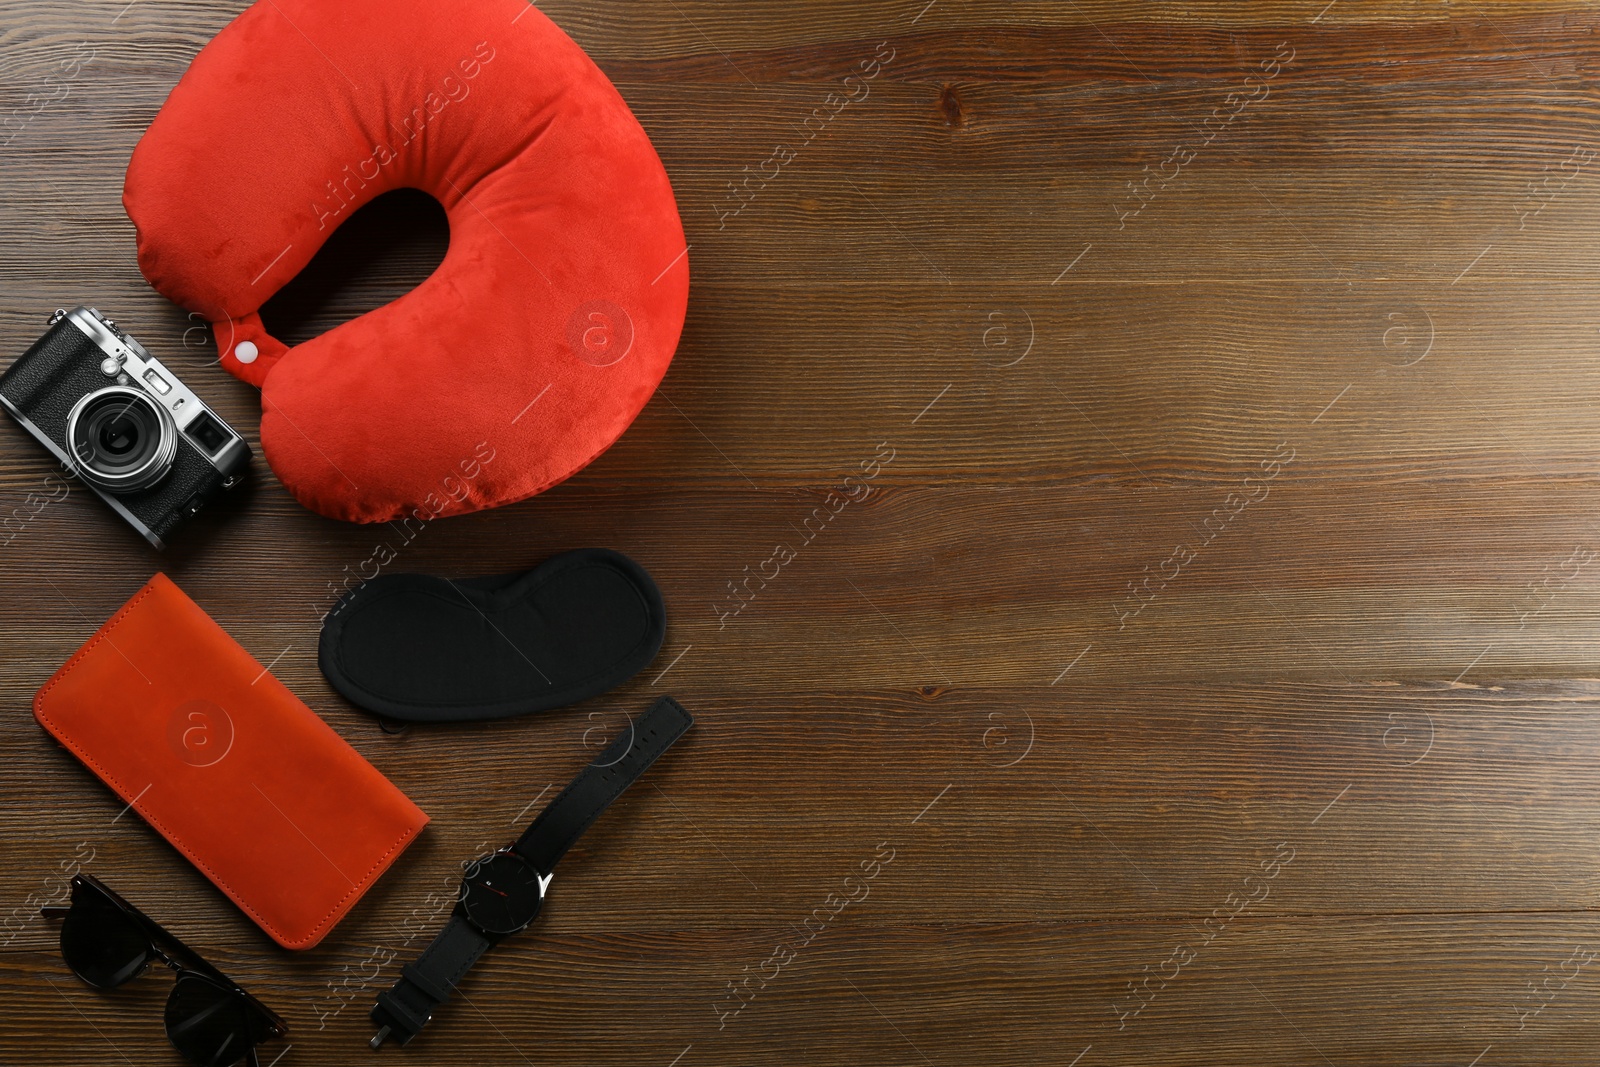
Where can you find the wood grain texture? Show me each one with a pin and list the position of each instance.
(1215, 656)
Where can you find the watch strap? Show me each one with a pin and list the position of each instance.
(403, 1010)
(565, 819)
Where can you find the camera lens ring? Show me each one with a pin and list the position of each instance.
(120, 439)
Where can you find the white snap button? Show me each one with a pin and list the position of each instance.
(246, 352)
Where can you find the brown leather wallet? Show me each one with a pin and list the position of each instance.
(241, 777)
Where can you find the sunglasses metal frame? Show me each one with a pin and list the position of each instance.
(167, 949)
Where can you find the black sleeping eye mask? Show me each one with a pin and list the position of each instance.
(424, 649)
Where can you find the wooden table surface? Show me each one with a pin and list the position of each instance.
(1208, 675)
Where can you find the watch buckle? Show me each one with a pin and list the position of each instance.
(396, 1021)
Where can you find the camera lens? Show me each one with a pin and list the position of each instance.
(121, 439)
(118, 435)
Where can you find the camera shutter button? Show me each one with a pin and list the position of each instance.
(246, 352)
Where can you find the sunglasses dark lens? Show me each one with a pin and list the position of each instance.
(101, 944)
(210, 1024)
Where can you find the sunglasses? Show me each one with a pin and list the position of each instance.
(108, 942)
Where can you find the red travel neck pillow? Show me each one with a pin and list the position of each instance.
(543, 332)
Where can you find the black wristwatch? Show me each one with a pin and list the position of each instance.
(502, 893)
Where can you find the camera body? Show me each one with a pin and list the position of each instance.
(122, 423)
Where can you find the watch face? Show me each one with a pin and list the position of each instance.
(501, 894)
